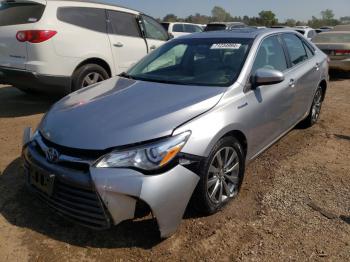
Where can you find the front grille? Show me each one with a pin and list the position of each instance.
(80, 205)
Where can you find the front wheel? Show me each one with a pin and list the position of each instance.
(221, 176)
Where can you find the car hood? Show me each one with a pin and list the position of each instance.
(122, 111)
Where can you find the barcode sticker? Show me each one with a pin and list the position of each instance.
(226, 46)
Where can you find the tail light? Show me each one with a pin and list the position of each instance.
(342, 52)
(35, 36)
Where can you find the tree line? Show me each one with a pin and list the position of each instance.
(264, 18)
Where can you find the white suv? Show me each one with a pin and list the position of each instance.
(62, 46)
(180, 29)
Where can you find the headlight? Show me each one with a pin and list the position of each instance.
(148, 157)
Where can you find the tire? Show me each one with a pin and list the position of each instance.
(210, 177)
(87, 75)
(315, 109)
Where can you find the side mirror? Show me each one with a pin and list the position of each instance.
(266, 76)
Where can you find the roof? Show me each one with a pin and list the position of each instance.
(226, 23)
(249, 32)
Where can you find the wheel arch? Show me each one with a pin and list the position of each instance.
(323, 84)
(240, 136)
(97, 61)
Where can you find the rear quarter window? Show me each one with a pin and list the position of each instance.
(20, 13)
(85, 17)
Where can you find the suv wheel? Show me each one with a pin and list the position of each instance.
(87, 75)
(221, 176)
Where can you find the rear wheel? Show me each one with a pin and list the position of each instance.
(221, 176)
(87, 75)
(315, 110)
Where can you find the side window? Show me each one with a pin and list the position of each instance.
(270, 55)
(121, 23)
(192, 28)
(178, 28)
(310, 53)
(295, 48)
(89, 18)
(154, 30)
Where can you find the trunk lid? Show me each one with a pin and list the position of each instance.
(17, 16)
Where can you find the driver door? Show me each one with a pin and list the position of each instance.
(271, 104)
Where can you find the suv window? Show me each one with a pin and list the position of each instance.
(270, 55)
(20, 13)
(89, 18)
(192, 28)
(121, 23)
(153, 29)
(178, 28)
(295, 48)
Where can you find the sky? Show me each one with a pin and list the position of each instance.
(296, 9)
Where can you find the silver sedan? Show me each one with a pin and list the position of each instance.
(179, 126)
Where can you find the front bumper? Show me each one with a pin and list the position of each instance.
(108, 196)
(32, 81)
(343, 65)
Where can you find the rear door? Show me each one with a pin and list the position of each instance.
(128, 45)
(305, 74)
(154, 33)
(16, 16)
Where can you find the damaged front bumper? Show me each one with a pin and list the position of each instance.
(102, 197)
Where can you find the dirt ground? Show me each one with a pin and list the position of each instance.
(294, 204)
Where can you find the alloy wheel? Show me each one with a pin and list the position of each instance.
(223, 175)
(91, 79)
(316, 107)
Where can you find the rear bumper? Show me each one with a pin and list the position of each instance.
(343, 65)
(32, 81)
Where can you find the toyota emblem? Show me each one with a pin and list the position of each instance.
(52, 155)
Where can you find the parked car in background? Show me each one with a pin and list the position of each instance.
(181, 123)
(180, 29)
(341, 28)
(217, 26)
(336, 44)
(62, 46)
(306, 31)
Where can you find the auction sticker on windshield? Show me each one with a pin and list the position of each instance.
(226, 46)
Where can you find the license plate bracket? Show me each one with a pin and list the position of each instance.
(42, 180)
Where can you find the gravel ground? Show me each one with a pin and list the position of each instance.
(294, 204)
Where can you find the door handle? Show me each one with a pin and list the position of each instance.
(292, 83)
(152, 47)
(317, 66)
(119, 44)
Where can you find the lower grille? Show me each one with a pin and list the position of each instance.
(80, 205)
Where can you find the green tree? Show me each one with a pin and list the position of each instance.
(219, 14)
(268, 18)
(327, 15)
(291, 22)
(170, 18)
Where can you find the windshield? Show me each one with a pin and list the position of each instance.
(206, 62)
(332, 38)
